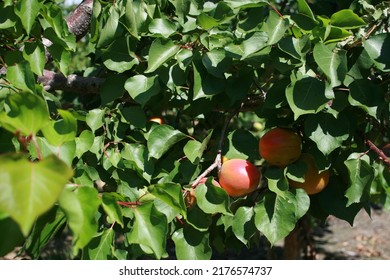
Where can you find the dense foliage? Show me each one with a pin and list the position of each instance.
(219, 74)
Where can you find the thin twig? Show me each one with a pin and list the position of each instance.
(218, 159)
(379, 152)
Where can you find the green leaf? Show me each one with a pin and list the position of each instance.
(101, 246)
(243, 224)
(27, 11)
(139, 156)
(118, 57)
(162, 138)
(84, 142)
(62, 57)
(333, 63)
(241, 144)
(30, 188)
(277, 182)
(212, 199)
(149, 230)
(276, 215)
(25, 113)
(161, 51)
(10, 232)
(207, 22)
(205, 84)
(162, 27)
(304, 9)
(367, 96)
(325, 131)
(34, 53)
(361, 175)
(61, 131)
(171, 194)
(95, 119)
(335, 192)
(378, 48)
(80, 207)
(109, 30)
(21, 76)
(243, 4)
(297, 48)
(249, 46)
(112, 209)
(347, 19)
(276, 27)
(307, 96)
(194, 150)
(45, 228)
(198, 219)
(142, 88)
(216, 62)
(191, 244)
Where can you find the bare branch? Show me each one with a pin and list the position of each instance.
(82, 85)
(379, 152)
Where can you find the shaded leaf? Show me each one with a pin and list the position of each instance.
(45, 228)
(80, 207)
(243, 225)
(308, 96)
(378, 48)
(100, 247)
(212, 199)
(325, 131)
(191, 244)
(367, 96)
(149, 229)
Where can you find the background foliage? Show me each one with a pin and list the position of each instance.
(219, 74)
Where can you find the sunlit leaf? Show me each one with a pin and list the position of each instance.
(30, 188)
(162, 138)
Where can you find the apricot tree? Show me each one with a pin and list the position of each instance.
(81, 152)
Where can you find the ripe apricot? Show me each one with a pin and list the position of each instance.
(280, 146)
(239, 177)
(315, 181)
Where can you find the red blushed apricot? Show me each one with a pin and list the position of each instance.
(315, 181)
(239, 177)
(280, 147)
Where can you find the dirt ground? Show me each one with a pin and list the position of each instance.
(368, 239)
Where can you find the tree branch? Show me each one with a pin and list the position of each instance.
(82, 85)
(379, 152)
(80, 19)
